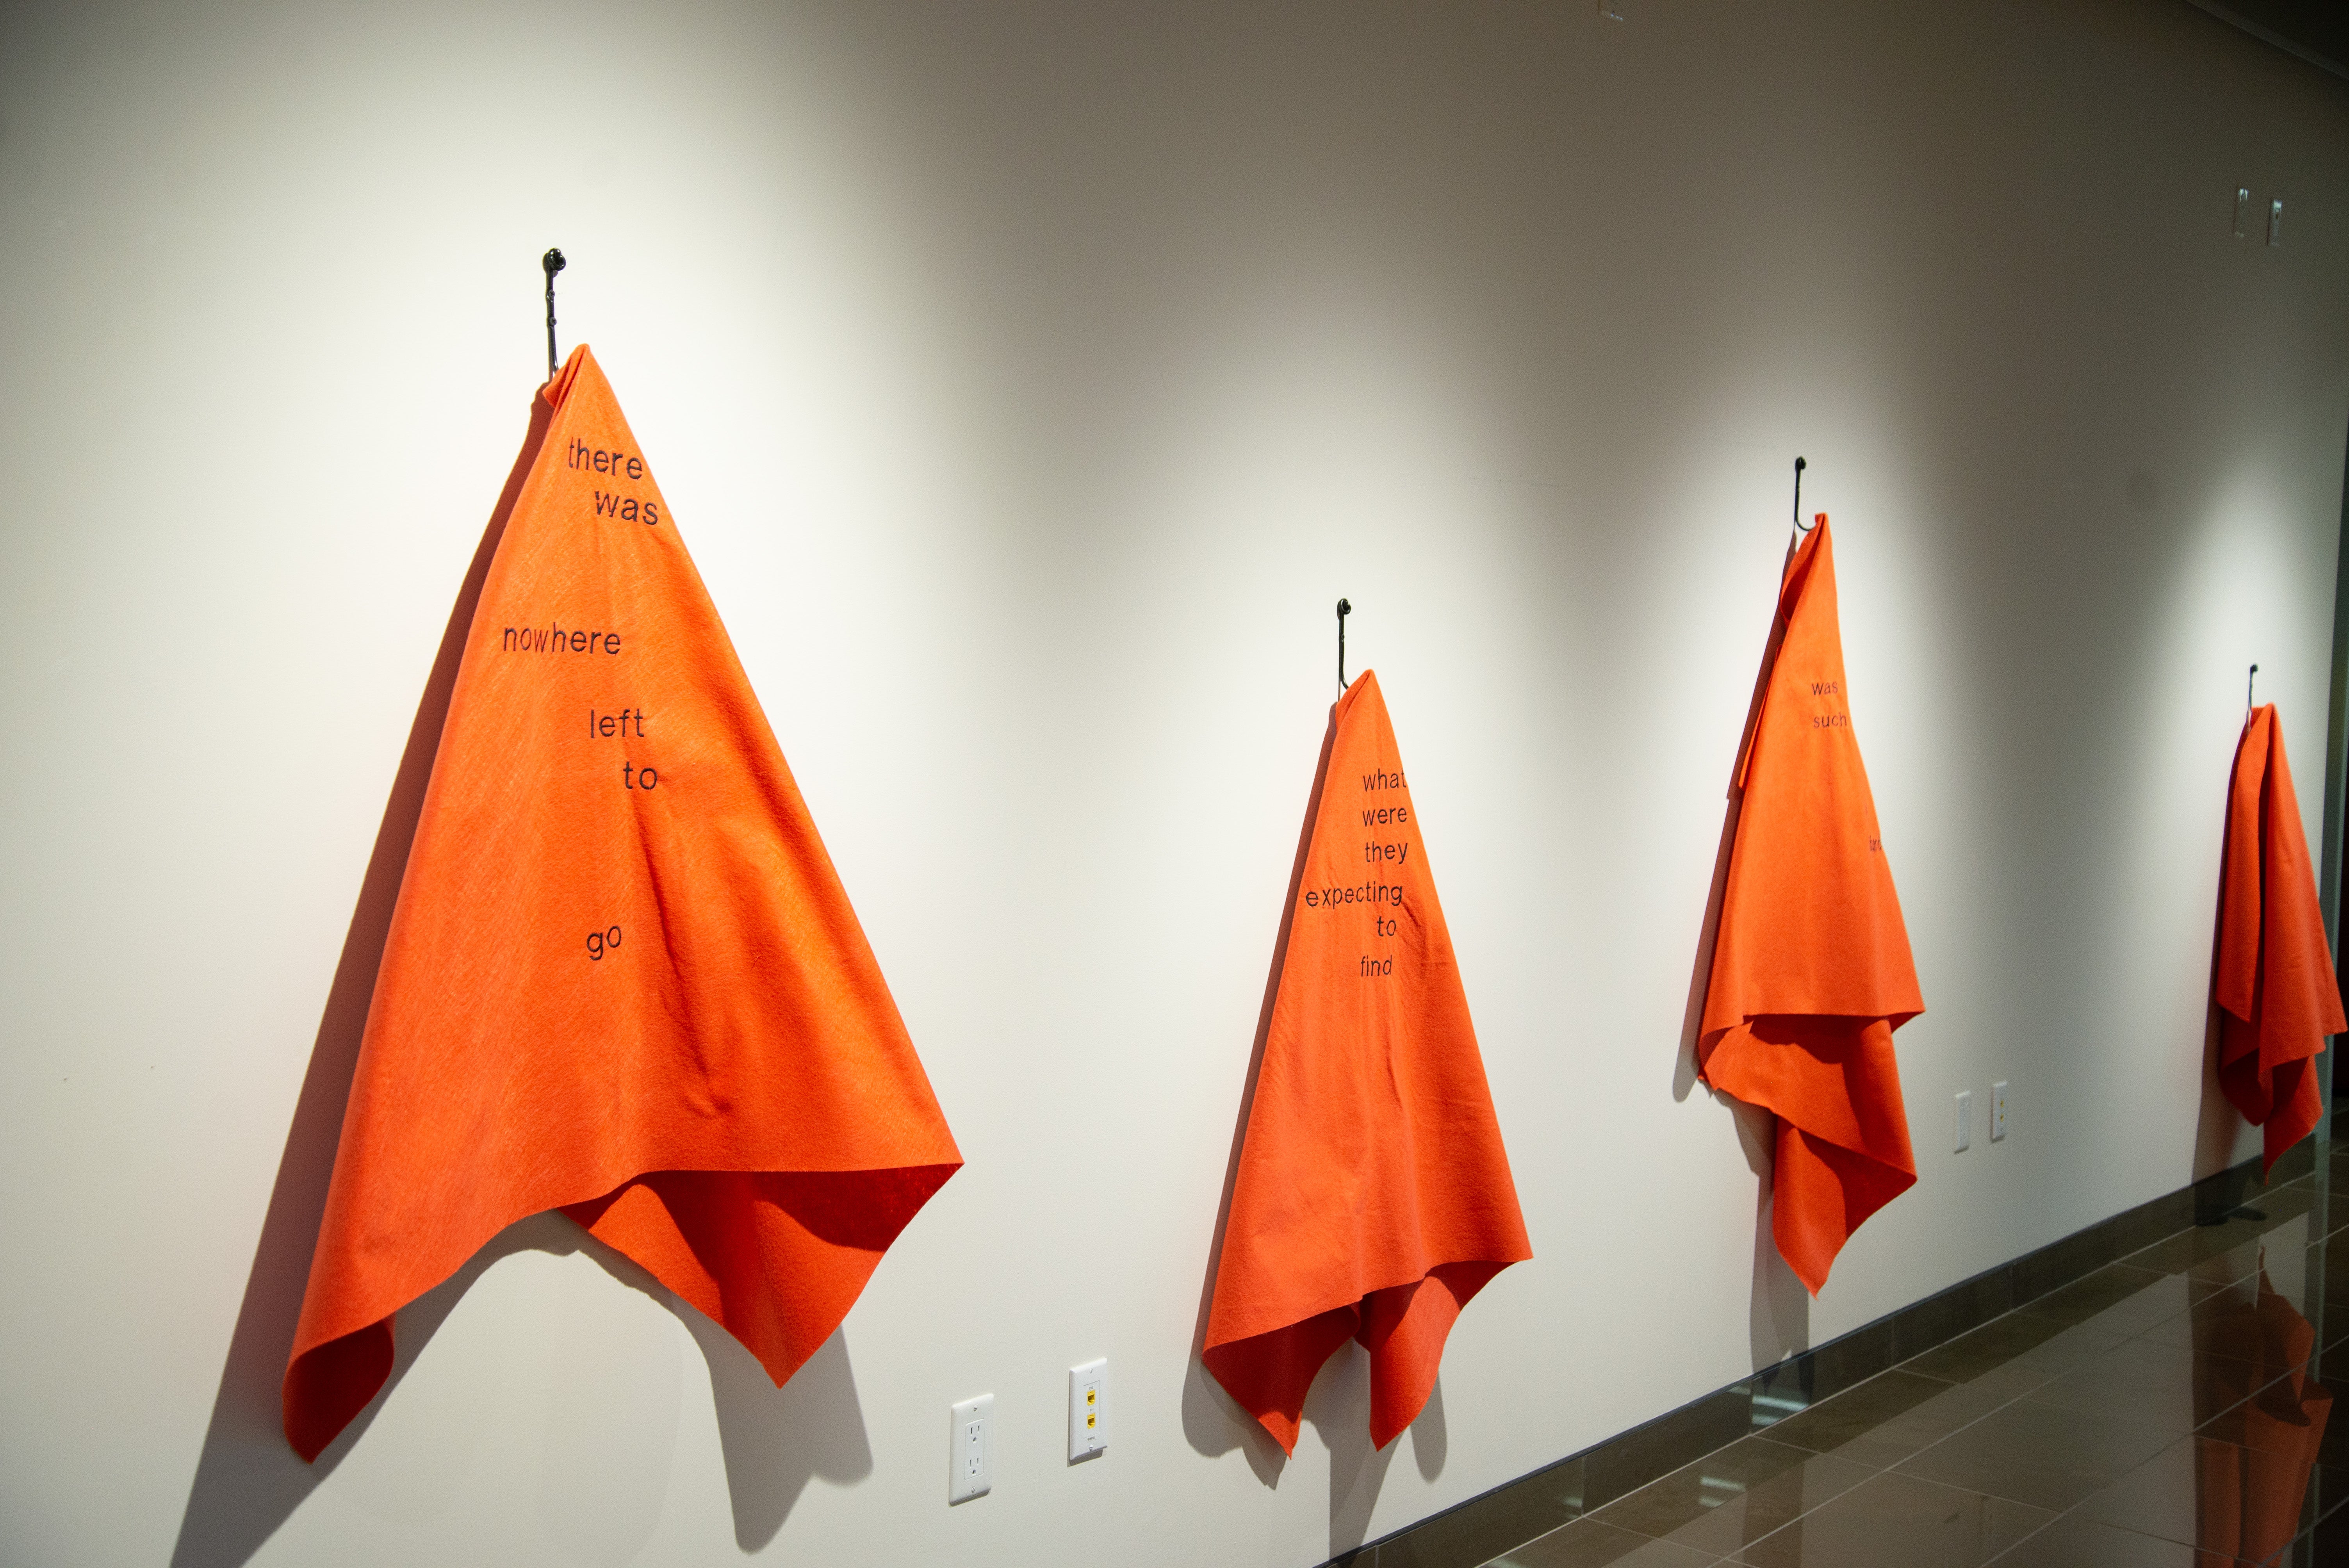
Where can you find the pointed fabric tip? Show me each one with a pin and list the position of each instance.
(557, 387)
(1372, 1199)
(1811, 970)
(2273, 982)
(622, 978)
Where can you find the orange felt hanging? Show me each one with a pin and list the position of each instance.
(2273, 982)
(1372, 1198)
(622, 978)
(1811, 972)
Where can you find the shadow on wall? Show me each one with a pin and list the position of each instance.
(2218, 1125)
(1213, 1421)
(1778, 1308)
(775, 1440)
(1779, 1314)
(1338, 1407)
(248, 1480)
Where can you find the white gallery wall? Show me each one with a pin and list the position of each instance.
(1028, 381)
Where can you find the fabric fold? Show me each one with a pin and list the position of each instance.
(2273, 982)
(622, 978)
(1811, 969)
(1372, 1198)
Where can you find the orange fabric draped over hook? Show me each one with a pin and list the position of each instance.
(1372, 1198)
(2274, 981)
(622, 978)
(1811, 971)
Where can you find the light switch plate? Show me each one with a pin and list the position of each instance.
(1088, 1409)
(1997, 1111)
(971, 1450)
(1965, 1120)
(2243, 211)
(2275, 222)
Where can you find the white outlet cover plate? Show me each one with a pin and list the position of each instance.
(971, 1450)
(1088, 1409)
(1997, 1111)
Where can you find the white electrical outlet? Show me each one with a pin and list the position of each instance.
(970, 1457)
(1965, 1120)
(1997, 1111)
(1088, 1409)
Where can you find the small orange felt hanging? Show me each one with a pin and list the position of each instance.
(1811, 972)
(2278, 998)
(1373, 1197)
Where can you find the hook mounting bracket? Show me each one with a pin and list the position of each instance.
(552, 262)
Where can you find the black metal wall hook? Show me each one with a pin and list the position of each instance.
(1799, 530)
(554, 263)
(1344, 610)
(2248, 681)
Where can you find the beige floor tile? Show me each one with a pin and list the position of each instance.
(1738, 1495)
(2241, 1502)
(2083, 1543)
(1899, 1522)
(1885, 1419)
(2040, 1454)
(2156, 1384)
(1587, 1543)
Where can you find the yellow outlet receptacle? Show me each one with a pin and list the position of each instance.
(1088, 1410)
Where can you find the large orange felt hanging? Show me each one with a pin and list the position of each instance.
(1372, 1198)
(622, 978)
(1811, 972)
(2277, 996)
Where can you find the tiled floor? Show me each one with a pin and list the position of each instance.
(2175, 1407)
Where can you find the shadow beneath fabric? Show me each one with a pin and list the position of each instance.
(2221, 1182)
(2218, 1125)
(1684, 1073)
(1431, 1439)
(775, 1440)
(1684, 1070)
(1213, 1421)
(1338, 1409)
(248, 1479)
(1778, 1313)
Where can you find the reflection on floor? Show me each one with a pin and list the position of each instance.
(2174, 1408)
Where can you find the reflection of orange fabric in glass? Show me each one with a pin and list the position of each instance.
(1372, 1198)
(2248, 1492)
(2274, 981)
(1811, 972)
(622, 978)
